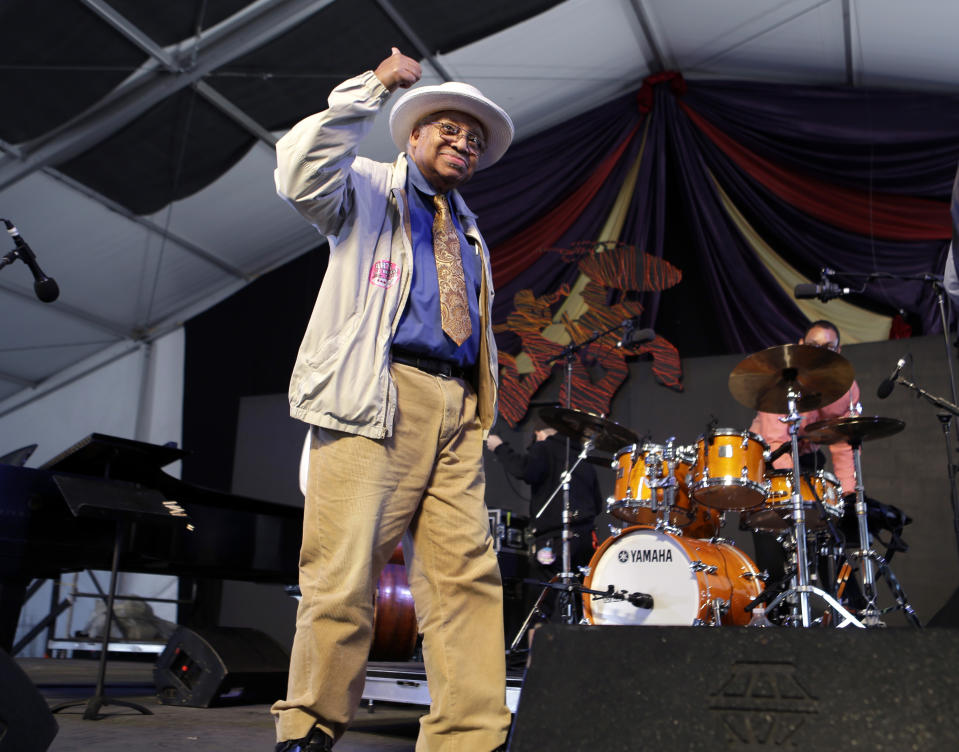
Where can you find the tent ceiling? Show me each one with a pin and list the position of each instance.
(137, 158)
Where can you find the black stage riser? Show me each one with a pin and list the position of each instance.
(625, 688)
(26, 723)
(220, 666)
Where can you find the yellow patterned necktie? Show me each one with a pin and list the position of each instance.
(454, 308)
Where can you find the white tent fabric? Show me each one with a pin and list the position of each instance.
(126, 279)
(107, 356)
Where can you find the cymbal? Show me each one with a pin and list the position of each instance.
(852, 429)
(761, 381)
(607, 435)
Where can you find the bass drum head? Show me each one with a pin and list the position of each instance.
(646, 561)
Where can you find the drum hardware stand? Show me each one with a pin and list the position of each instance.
(718, 606)
(867, 554)
(794, 617)
(663, 504)
(897, 591)
(870, 614)
(831, 530)
(535, 611)
(802, 588)
(566, 422)
(568, 577)
(669, 484)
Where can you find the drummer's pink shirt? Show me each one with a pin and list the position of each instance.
(775, 432)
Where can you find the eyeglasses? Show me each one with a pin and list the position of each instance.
(475, 145)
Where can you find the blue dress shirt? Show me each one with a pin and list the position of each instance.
(420, 330)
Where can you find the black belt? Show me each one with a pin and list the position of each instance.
(430, 365)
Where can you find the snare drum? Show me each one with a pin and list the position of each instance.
(776, 514)
(729, 470)
(638, 500)
(685, 577)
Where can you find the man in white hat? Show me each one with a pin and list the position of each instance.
(397, 376)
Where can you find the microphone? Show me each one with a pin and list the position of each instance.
(825, 291)
(634, 337)
(886, 385)
(640, 600)
(45, 287)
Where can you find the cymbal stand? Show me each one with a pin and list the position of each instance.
(802, 588)
(870, 614)
(564, 581)
(867, 554)
(946, 418)
(829, 543)
(566, 575)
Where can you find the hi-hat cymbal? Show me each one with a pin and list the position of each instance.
(762, 380)
(607, 435)
(853, 429)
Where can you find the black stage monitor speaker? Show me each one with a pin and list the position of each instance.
(26, 723)
(615, 688)
(220, 666)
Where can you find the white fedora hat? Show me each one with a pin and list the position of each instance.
(453, 95)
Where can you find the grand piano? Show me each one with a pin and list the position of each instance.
(52, 520)
(57, 518)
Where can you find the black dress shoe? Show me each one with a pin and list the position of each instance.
(315, 741)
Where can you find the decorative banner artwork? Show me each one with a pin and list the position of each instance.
(598, 316)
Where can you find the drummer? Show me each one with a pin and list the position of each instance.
(775, 432)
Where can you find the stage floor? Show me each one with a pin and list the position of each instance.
(246, 728)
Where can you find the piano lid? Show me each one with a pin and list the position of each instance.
(18, 457)
(110, 456)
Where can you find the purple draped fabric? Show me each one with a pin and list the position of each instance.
(889, 141)
(898, 143)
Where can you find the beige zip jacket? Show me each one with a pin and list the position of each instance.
(341, 378)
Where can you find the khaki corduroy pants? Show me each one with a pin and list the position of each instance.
(362, 496)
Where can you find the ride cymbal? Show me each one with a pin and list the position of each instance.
(763, 380)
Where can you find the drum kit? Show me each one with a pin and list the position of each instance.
(667, 565)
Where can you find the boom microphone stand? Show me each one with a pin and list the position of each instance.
(946, 418)
(594, 429)
(567, 577)
(833, 291)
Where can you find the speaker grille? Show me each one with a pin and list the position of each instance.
(687, 688)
